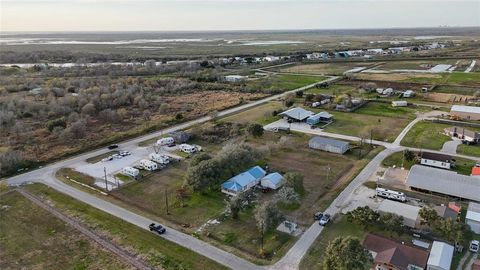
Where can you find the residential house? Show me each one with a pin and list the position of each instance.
(475, 171)
(445, 212)
(319, 117)
(441, 256)
(148, 165)
(272, 181)
(463, 134)
(243, 181)
(433, 180)
(329, 145)
(409, 213)
(473, 216)
(296, 114)
(436, 160)
(465, 112)
(389, 254)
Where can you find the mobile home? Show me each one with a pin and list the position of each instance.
(166, 141)
(187, 148)
(130, 171)
(159, 158)
(148, 165)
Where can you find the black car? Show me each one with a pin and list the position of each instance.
(317, 216)
(113, 146)
(157, 228)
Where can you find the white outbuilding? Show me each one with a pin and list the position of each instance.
(441, 256)
(473, 217)
(272, 181)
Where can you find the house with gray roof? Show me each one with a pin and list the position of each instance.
(445, 182)
(329, 145)
(296, 114)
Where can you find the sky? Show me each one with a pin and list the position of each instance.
(185, 15)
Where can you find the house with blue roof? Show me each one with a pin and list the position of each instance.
(244, 181)
(272, 181)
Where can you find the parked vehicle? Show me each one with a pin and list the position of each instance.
(124, 153)
(474, 246)
(148, 165)
(159, 158)
(157, 228)
(107, 159)
(391, 194)
(316, 104)
(317, 216)
(324, 220)
(167, 141)
(112, 146)
(187, 148)
(130, 171)
(116, 156)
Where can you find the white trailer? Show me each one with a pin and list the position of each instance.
(187, 148)
(159, 158)
(166, 141)
(130, 171)
(391, 194)
(148, 165)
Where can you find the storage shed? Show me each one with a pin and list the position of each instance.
(473, 217)
(319, 117)
(272, 181)
(399, 103)
(441, 256)
(329, 145)
(409, 213)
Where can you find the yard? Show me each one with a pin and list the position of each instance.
(454, 78)
(32, 238)
(262, 114)
(282, 82)
(324, 68)
(427, 135)
(155, 250)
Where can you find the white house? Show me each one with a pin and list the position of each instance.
(399, 103)
(473, 217)
(441, 256)
(436, 160)
(272, 181)
(148, 165)
(159, 158)
(130, 171)
(166, 141)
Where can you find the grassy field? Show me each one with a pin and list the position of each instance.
(32, 238)
(417, 65)
(396, 159)
(387, 110)
(156, 250)
(67, 173)
(426, 135)
(324, 68)
(334, 89)
(284, 82)
(261, 114)
(469, 150)
(454, 78)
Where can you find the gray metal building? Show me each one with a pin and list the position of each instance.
(329, 145)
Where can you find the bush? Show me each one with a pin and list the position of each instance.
(59, 122)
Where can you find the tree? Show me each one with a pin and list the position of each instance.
(299, 93)
(182, 195)
(237, 203)
(179, 116)
(364, 216)
(346, 253)
(392, 222)
(429, 216)
(294, 180)
(204, 175)
(287, 195)
(267, 216)
(409, 155)
(196, 159)
(256, 130)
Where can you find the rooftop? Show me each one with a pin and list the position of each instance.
(401, 209)
(445, 182)
(241, 180)
(322, 115)
(465, 109)
(274, 177)
(473, 212)
(436, 156)
(333, 142)
(441, 255)
(297, 113)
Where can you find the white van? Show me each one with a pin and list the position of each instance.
(187, 148)
(159, 158)
(130, 171)
(167, 141)
(148, 165)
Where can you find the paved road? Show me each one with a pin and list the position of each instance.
(293, 257)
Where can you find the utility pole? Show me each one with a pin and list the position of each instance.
(371, 137)
(262, 236)
(328, 172)
(403, 158)
(105, 172)
(166, 201)
(116, 181)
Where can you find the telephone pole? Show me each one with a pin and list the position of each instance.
(166, 201)
(105, 173)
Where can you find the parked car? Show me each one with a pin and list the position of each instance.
(116, 156)
(474, 246)
(317, 216)
(324, 220)
(124, 153)
(107, 159)
(157, 228)
(112, 146)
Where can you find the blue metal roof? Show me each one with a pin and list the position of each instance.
(275, 178)
(238, 182)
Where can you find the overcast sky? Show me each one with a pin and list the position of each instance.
(145, 15)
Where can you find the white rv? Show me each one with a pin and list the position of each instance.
(166, 141)
(187, 148)
(148, 165)
(391, 194)
(130, 171)
(159, 158)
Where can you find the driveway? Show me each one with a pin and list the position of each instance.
(450, 147)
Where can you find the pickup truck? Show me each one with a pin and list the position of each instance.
(157, 228)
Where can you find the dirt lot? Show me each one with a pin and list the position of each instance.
(324, 68)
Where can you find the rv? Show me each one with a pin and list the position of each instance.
(129, 171)
(167, 141)
(391, 194)
(187, 148)
(148, 165)
(159, 158)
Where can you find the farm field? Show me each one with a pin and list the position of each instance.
(32, 238)
(454, 78)
(415, 64)
(283, 82)
(324, 68)
(155, 250)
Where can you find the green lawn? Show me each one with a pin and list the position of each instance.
(427, 135)
(98, 158)
(32, 238)
(469, 150)
(156, 250)
(261, 114)
(67, 173)
(334, 89)
(387, 110)
(282, 82)
(396, 159)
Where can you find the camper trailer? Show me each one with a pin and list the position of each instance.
(159, 158)
(148, 165)
(187, 148)
(391, 194)
(130, 171)
(167, 141)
